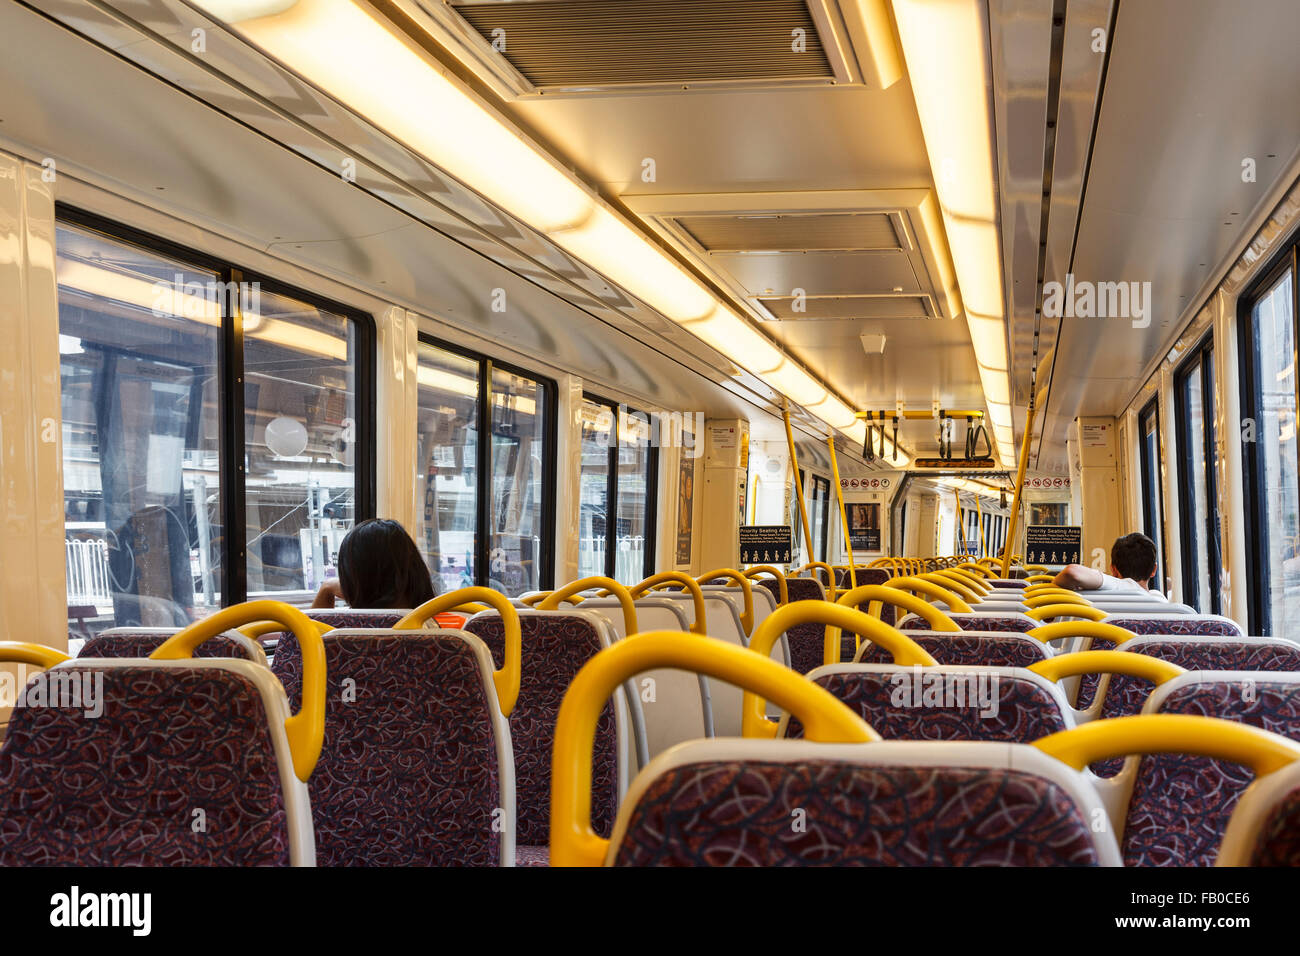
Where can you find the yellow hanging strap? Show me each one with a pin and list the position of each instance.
(844, 517)
(798, 484)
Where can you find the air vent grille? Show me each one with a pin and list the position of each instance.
(593, 44)
(790, 233)
(825, 308)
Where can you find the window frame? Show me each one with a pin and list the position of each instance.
(231, 408)
(611, 492)
(1150, 476)
(483, 459)
(1202, 358)
(1259, 612)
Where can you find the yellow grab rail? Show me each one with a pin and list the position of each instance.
(1107, 662)
(836, 617)
(1088, 743)
(973, 582)
(532, 600)
(571, 591)
(1050, 611)
(938, 591)
(880, 595)
(958, 587)
(573, 841)
(506, 680)
(262, 628)
(774, 572)
(811, 567)
(305, 730)
(735, 577)
(689, 584)
(38, 655)
(1040, 579)
(1033, 601)
(1063, 629)
(973, 568)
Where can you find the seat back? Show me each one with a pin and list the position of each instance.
(891, 803)
(1264, 829)
(968, 648)
(805, 641)
(152, 763)
(722, 619)
(1122, 695)
(945, 702)
(143, 641)
(555, 646)
(417, 767)
(844, 582)
(1011, 621)
(1180, 805)
(676, 703)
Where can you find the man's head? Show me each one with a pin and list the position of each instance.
(1134, 556)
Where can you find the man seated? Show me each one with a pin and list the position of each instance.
(1132, 566)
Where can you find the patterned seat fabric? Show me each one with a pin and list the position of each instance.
(408, 774)
(127, 643)
(555, 646)
(125, 788)
(1088, 682)
(806, 640)
(843, 581)
(974, 622)
(1184, 625)
(1125, 695)
(739, 814)
(1013, 709)
(1278, 841)
(341, 617)
(1181, 803)
(1008, 585)
(994, 650)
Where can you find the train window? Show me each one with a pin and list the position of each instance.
(619, 478)
(300, 437)
(492, 503)
(1269, 403)
(1199, 513)
(818, 493)
(1153, 508)
(160, 527)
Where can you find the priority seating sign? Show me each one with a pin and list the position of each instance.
(765, 544)
(1053, 544)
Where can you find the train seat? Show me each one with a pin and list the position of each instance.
(1179, 805)
(804, 640)
(143, 641)
(1264, 829)
(197, 760)
(967, 648)
(555, 646)
(1120, 695)
(977, 621)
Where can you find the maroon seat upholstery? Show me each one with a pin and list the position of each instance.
(975, 622)
(1185, 625)
(804, 640)
(128, 642)
(1017, 709)
(738, 813)
(122, 788)
(844, 582)
(555, 647)
(409, 772)
(1180, 805)
(1125, 695)
(969, 648)
(1278, 841)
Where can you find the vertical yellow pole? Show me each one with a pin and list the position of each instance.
(961, 529)
(798, 486)
(1020, 481)
(844, 516)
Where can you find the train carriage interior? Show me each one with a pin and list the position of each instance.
(579, 433)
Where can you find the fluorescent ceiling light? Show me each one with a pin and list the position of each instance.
(234, 11)
(943, 43)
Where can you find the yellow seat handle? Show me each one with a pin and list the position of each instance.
(1040, 578)
(880, 595)
(532, 599)
(570, 591)
(38, 655)
(812, 566)
(774, 572)
(1107, 662)
(1063, 629)
(1051, 611)
(305, 729)
(958, 587)
(262, 628)
(974, 583)
(921, 586)
(1043, 600)
(573, 841)
(506, 680)
(976, 569)
(1261, 751)
(735, 577)
(691, 586)
(836, 617)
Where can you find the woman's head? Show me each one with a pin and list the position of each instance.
(380, 567)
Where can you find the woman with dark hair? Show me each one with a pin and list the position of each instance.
(379, 567)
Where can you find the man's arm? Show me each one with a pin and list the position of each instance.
(1078, 577)
(328, 593)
